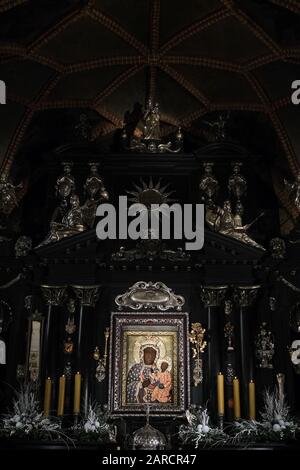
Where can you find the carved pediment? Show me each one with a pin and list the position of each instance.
(87, 245)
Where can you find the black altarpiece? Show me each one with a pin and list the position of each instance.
(262, 286)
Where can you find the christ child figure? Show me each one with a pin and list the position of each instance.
(163, 380)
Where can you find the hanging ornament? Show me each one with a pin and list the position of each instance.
(70, 327)
(196, 338)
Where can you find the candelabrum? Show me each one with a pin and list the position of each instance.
(196, 338)
(229, 333)
(102, 361)
(264, 347)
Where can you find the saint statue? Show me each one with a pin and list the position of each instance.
(151, 122)
(96, 193)
(222, 220)
(65, 184)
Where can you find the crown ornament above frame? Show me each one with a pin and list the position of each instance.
(149, 296)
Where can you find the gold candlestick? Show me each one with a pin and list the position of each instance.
(47, 397)
(61, 396)
(77, 391)
(252, 413)
(236, 398)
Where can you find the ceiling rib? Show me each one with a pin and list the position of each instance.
(202, 62)
(181, 80)
(154, 47)
(116, 28)
(54, 30)
(25, 121)
(283, 137)
(154, 58)
(194, 28)
(105, 62)
(292, 5)
(117, 83)
(245, 20)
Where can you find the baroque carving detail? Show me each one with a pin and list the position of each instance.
(213, 296)
(245, 296)
(53, 295)
(87, 295)
(150, 296)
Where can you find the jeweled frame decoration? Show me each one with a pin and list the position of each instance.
(154, 324)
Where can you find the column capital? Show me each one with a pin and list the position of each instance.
(87, 295)
(244, 296)
(53, 295)
(213, 296)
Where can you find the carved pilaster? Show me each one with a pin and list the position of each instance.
(87, 295)
(213, 296)
(244, 296)
(53, 296)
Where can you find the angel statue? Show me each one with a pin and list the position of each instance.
(71, 224)
(294, 188)
(65, 184)
(222, 220)
(96, 193)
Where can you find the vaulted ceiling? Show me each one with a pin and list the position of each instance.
(193, 57)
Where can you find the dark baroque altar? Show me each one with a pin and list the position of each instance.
(63, 291)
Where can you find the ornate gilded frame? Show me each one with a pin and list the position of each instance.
(157, 323)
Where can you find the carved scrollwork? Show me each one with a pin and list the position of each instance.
(150, 296)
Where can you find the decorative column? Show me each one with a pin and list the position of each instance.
(53, 296)
(244, 296)
(212, 297)
(88, 296)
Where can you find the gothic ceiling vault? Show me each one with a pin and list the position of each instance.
(193, 57)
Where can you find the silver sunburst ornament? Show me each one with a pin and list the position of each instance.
(150, 193)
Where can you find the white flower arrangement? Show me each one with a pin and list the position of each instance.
(26, 419)
(95, 426)
(199, 431)
(275, 425)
